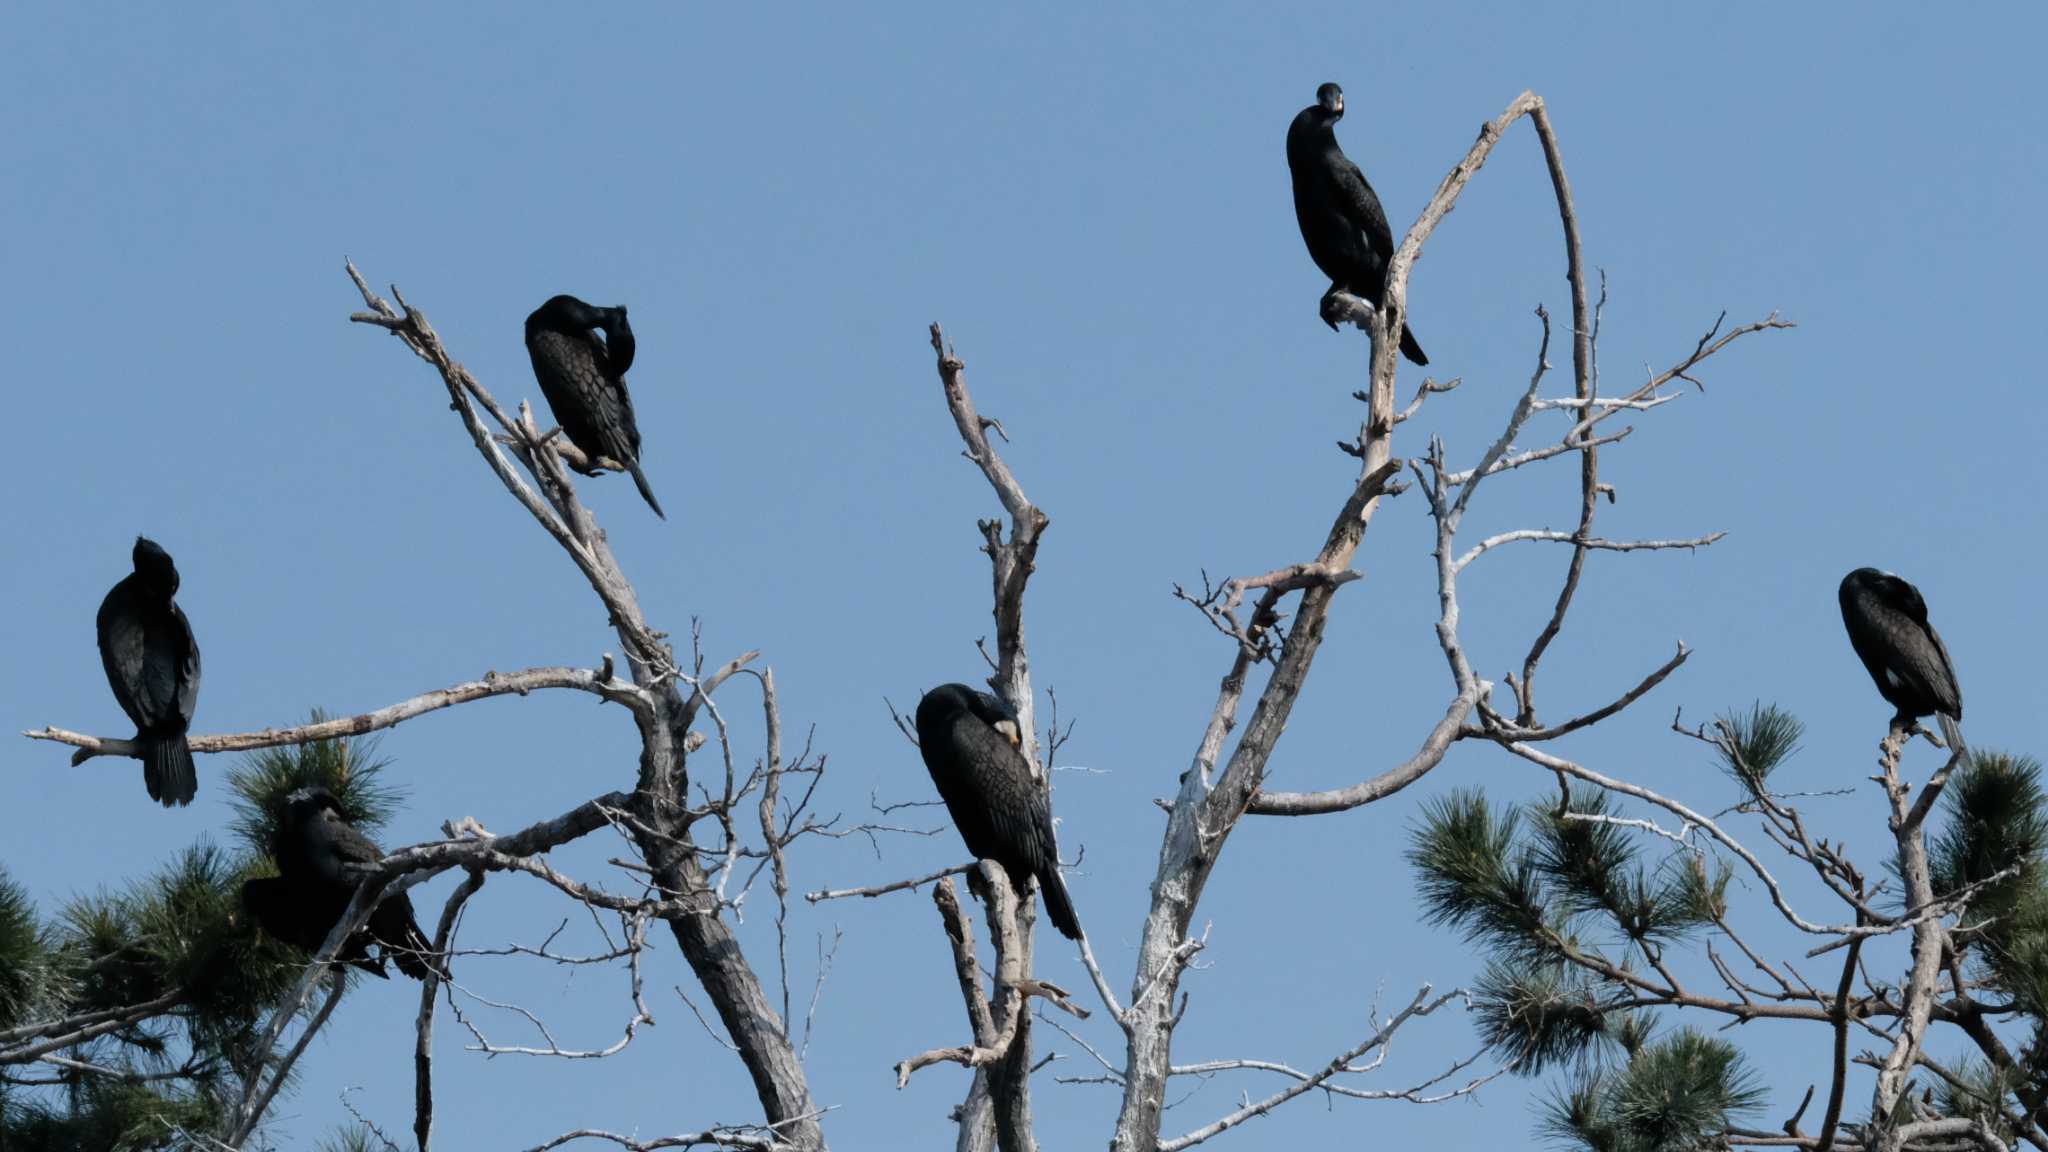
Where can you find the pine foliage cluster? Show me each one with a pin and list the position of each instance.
(1567, 896)
(176, 942)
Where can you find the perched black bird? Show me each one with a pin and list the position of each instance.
(584, 379)
(1340, 216)
(970, 744)
(1887, 623)
(152, 664)
(302, 916)
(317, 853)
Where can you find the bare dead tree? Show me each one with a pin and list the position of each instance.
(691, 847)
(686, 879)
(1212, 800)
(1210, 803)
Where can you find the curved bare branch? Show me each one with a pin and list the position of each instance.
(600, 683)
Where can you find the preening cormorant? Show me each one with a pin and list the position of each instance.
(1340, 216)
(584, 380)
(1887, 623)
(316, 853)
(969, 741)
(152, 665)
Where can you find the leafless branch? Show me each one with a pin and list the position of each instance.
(636, 944)
(1497, 727)
(254, 1102)
(1422, 1005)
(1429, 387)
(1492, 542)
(1207, 806)
(655, 814)
(492, 684)
(1011, 561)
(755, 1138)
(911, 885)
(992, 1041)
(1930, 936)
(423, 1048)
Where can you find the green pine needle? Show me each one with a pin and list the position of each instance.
(348, 766)
(1677, 1094)
(1541, 1016)
(1756, 744)
(1472, 877)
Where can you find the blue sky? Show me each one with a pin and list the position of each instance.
(1095, 206)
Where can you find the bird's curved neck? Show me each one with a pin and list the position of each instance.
(1311, 136)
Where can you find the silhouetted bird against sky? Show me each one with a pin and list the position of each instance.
(1887, 623)
(1341, 219)
(152, 664)
(584, 379)
(970, 744)
(317, 853)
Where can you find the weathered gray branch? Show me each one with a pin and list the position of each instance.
(599, 682)
(1930, 935)
(1379, 787)
(1584, 384)
(423, 1026)
(1583, 543)
(1422, 1005)
(909, 885)
(1206, 809)
(995, 1029)
(656, 813)
(1011, 562)
(1006, 1083)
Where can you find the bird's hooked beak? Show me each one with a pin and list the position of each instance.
(1008, 730)
(1330, 99)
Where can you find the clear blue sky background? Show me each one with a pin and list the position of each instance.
(1096, 207)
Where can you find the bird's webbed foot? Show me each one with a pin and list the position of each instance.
(977, 883)
(1340, 306)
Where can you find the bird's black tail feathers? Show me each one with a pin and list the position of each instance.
(415, 955)
(1411, 349)
(167, 769)
(646, 493)
(1059, 907)
(357, 958)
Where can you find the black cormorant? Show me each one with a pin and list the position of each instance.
(1887, 623)
(318, 854)
(152, 664)
(584, 380)
(1341, 219)
(970, 743)
(302, 916)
